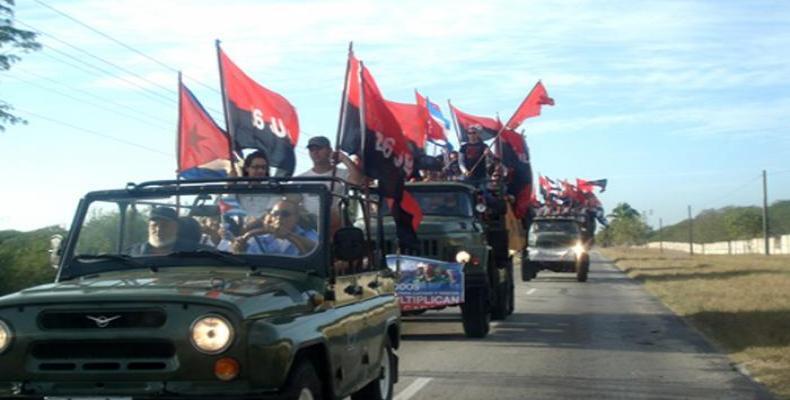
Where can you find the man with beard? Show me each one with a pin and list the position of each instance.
(280, 234)
(162, 234)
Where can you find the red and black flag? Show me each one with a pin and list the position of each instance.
(203, 149)
(486, 127)
(409, 119)
(386, 156)
(588, 186)
(515, 156)
(351, 132)
(531, 105)
(258, 118)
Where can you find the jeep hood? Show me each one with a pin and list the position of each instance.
(230, 288)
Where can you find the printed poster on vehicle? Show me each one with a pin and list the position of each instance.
(426, 283)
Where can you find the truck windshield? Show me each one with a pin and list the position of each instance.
(449, 204)
(569, 227)
(267, 224)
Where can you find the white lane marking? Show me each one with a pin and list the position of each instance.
(412, 389)
(530, 291)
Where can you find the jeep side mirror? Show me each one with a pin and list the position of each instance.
(54, 250)
(349, 244)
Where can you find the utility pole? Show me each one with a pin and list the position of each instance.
(691, 233)
(765, 213)
(661, 235)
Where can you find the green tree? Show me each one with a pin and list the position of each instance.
(743, 223)
(13, 41)
(626, 227)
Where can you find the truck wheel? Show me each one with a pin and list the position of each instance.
(499, 310)
(583, 269)
(381, 387)
(303, 384)
(475, 314)
(511, 293)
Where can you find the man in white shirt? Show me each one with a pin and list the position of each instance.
(324, 160)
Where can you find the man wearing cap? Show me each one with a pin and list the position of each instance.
(162, 233)
(324, 159)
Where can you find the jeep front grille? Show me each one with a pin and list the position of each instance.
(102, 319)
(93, 349)
(95, 355)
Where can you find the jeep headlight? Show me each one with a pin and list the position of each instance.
(463, 257)
(211, 334)
(578, 249)
(5, 336)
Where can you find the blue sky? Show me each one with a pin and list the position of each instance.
(676, 102)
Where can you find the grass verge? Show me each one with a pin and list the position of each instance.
(741, 303)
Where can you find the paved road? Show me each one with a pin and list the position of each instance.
(607, 338)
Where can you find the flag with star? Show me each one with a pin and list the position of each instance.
(203, 147)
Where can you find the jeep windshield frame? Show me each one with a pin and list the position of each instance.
(315, 262)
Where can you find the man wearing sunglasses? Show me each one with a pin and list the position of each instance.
(470, 155)
(280, 234)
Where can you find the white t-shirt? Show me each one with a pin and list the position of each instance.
(339, 188)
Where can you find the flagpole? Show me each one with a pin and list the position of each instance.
(178, 146)
(341, 123)
(225, 107)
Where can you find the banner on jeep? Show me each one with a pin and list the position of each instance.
(425, 283)
(259, 118)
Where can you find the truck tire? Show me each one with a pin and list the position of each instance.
(475, 313)
(583, 269)
(504, 302)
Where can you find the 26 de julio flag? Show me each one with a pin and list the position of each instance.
(488, 127)
(258, 117)
(386, 156)
(531, 105)
(203, 149)
(515, 156)
(410, 121)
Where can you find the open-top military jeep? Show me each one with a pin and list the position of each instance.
(278, 302)
(461, 225)
(556, 243)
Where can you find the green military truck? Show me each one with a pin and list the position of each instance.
(463, 224)
(146, 305)
(557, 243)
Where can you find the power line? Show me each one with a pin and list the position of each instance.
(110, 109)
(745, 184)
(149, 93)
(78, 128)
(170, 91)
(126, 46)
(101, 98)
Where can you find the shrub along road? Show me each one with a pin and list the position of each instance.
(607, 338)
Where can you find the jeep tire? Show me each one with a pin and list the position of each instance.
(475, 314)
(380, 388)
(303, 382)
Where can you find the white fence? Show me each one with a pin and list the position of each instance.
(776, 245)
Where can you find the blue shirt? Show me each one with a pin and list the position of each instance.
(270, 244)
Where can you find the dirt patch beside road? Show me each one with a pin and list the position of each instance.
(741, 303)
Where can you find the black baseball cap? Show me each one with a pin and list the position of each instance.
(164, 213)
(318, 141)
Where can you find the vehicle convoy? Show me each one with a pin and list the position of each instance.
(557, 243)
(146, 306)
(466, 225)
